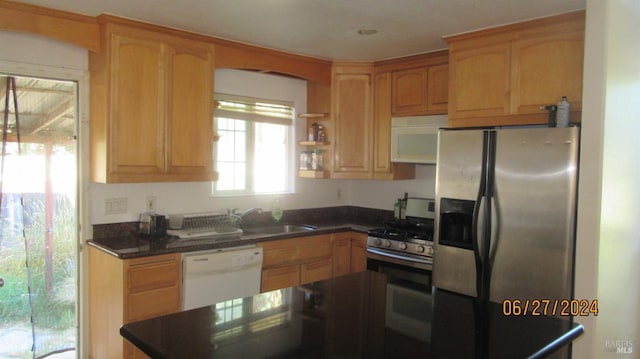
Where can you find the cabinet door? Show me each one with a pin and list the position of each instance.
(315, 271)
(409, 91)
(359, 253)
(438, 89)
(353, 125)
(545, 68)
(382, 166)
(280, 277)
(190, 122)
(341, 255)
(382, 123)
(138, 106)
(479, 81)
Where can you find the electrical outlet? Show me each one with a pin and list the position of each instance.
(116, 206)
(151, 204)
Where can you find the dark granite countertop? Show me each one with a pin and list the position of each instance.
(134, 245)
(345, 317)
(122, 241)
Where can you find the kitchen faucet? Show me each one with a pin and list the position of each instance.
(245, 213)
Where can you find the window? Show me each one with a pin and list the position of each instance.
(253, 153)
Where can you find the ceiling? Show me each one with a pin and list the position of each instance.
(326, 29)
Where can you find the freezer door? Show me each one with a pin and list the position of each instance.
(458, 177)
(533, 232)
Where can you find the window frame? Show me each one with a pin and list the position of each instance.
(250, 146)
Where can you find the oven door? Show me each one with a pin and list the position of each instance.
(409, 305)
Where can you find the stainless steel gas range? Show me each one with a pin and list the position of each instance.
(407, 242)
(403, 250)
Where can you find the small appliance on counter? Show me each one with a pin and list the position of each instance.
(152, 225)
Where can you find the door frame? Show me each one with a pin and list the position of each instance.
(84, 230)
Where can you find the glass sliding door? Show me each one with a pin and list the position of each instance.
(38, 226)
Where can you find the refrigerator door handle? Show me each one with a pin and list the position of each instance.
(487, 230)
(476, 220)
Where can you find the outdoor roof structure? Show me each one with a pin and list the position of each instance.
(47, 109)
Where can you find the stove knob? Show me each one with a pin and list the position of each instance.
(402, 246)
(430, 251)
(420, 249)
(376, 242)
(386, 244)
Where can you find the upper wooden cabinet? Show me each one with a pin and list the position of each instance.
(419, 84)
(502, 76)
(151, 107)
(420, 91)
(352, 103)
(383, 168)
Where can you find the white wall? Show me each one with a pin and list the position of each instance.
(383, 194)
(608, 247)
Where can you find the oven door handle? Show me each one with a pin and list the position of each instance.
(399, 259)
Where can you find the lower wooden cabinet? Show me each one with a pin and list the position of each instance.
(295, 261)
(123, 291)
(280, 277)
(291, 262)
(349, 253)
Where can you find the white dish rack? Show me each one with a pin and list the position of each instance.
(198, 225)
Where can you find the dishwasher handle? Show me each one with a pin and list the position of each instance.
(204, 273)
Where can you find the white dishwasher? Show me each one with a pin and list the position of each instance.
(213, 276)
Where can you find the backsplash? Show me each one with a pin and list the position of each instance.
(316, 216)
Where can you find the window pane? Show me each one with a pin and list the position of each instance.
(225, 146)
(270, 167)
(240, 176)
(240, 147)
(225, 177)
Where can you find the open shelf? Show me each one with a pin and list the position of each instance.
(313, 115)
(313, 143)
(313, 174)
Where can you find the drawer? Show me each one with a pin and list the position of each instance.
(152, 303)
(296, 250)
(315, 271)
(152, 276)
(280, 277)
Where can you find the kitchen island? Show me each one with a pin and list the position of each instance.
(347, 317)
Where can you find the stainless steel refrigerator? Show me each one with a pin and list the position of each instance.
(505, 213)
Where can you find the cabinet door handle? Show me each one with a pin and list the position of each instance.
(1, 282)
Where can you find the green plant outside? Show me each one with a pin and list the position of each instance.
(53, 309)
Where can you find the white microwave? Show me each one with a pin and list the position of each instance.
(415, 139)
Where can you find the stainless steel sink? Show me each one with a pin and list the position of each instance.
(278, 229)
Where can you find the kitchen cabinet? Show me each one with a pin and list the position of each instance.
(291, 262)
(419, 84)
(352, 102)
(421, 90)
(349, 253)
(503, 76)
(151, 106)
(124, 291)
(382, 167)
